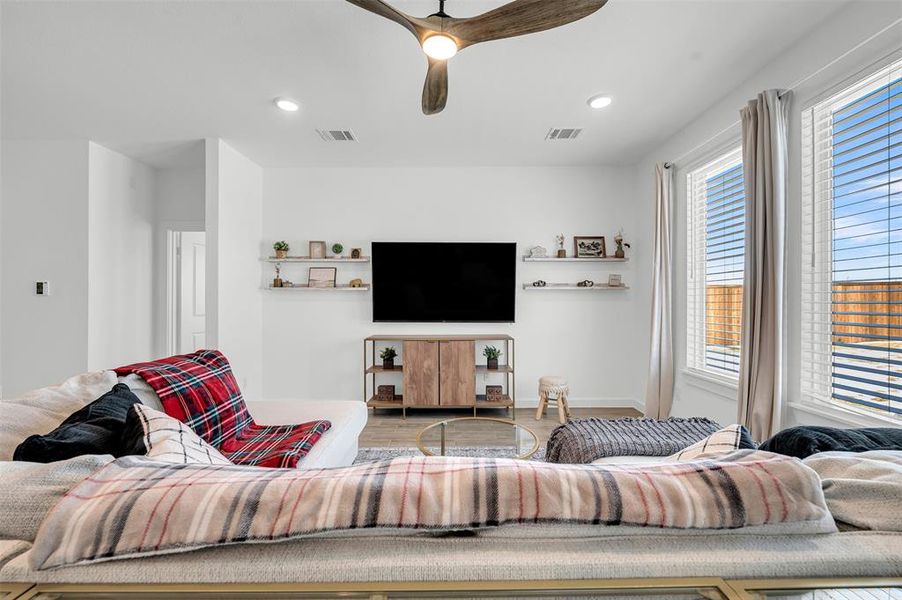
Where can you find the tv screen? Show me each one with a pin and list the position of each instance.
(433, 282)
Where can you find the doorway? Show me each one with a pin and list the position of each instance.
(186, 315)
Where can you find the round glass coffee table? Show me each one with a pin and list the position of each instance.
(482, 437)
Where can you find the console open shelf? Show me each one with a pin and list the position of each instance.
(440, 371)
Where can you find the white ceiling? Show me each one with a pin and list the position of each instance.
(147, 76)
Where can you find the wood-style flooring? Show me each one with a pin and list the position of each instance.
(386, 428)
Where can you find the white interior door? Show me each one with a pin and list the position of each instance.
(192, 291)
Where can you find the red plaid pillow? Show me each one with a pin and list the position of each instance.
(199, 390)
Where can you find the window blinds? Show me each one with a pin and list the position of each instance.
(716, 257)
(852, 246)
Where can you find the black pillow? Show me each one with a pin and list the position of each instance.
(95, 429)
(803, 441)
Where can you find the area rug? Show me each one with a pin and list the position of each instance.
(365, 455)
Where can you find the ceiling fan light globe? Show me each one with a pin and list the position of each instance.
(439, 47)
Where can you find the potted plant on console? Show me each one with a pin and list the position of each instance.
(281, 249)
(491, 354)
(388, 358)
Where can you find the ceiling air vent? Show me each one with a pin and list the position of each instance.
(563, 133)
(337, 135)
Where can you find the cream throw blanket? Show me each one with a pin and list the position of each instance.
(134, 507)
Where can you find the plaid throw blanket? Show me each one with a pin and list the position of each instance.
(581, 441)
(199, 390)
(135, 507)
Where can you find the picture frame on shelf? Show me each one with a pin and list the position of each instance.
(356, 253)
(615, 280)
(589, 246)
(317, 249)
(321, 277)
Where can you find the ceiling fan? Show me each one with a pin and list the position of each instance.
(443, 36)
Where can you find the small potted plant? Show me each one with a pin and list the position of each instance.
(388, 358)
(491, 354)
(281, 249)
(337, 249)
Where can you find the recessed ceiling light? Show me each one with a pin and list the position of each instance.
(440, 47)
(599, 102)
(287, 104)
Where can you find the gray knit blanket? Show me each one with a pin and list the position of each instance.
(583, 440)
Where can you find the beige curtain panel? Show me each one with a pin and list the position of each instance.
(764, 157)
(659, 393)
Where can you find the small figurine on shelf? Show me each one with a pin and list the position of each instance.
(281, 249)
(277, 282)
(618, 239)
(561, 253)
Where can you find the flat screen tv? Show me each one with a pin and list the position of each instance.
(444, 282)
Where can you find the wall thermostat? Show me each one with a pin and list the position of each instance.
(42, 288)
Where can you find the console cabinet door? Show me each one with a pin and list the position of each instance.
(421, 372)
(458, 373)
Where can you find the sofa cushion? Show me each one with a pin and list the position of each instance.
(41, 410)
(728, 439)
(94, 429)
(29, 490)
(155, 434)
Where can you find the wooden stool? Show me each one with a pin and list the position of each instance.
(553, 390)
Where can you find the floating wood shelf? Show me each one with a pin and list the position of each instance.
(556, 287)
(380, 369)
(307, 288)
(572, 259)
(307, 259)
(501, 369)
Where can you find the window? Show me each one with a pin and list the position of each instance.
(716, 254)
(852, 247)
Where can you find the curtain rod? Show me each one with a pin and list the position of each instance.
(801, 81)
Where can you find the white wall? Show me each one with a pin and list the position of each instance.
(813, 60)
(180, 195)
(313, 342)
(233, 215)
(120, 259)
(44, 238)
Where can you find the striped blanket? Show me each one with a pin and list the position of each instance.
(135, 507)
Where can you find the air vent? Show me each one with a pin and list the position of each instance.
(337, 135)
(563, 133)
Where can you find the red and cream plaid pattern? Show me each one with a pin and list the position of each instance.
(199, 390)
(135, 507)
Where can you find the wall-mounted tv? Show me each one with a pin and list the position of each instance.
(444, 282)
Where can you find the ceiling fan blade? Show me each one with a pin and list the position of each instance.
(391, 13)
(520, 17)
(435, 91)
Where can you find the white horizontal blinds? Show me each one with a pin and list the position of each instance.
(717, 258)
(852, 244)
